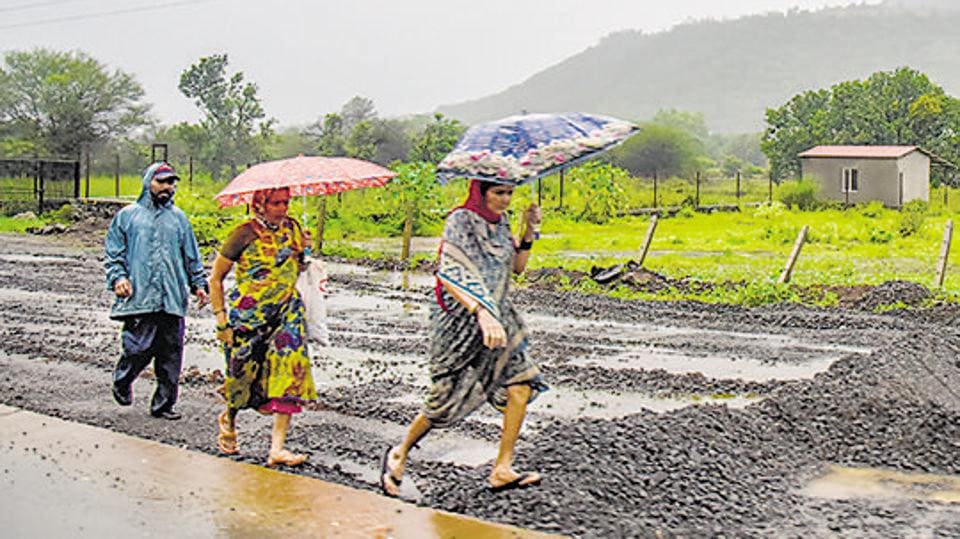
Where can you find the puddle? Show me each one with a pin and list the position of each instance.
(716, 354)
(574, 403)
(712, 366)
(844, 483)
(39, 259)
(441, 446)
(393, 279)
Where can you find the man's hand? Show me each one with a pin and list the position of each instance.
(122, 288)
(307, 240)
(493, 334)
(202, 298)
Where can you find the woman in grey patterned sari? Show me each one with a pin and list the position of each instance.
(477, 340)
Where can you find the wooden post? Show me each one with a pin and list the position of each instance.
(944, 252)
(321, 223)
(116, 177)
(794, 255)
(654, 189)
(38, 185)
(407, 233)
(697, 204)
(770, 188)
(87, 174)
(539, 193)
(561, 190)
(190, 177)
(76, 178)
(738, 187)
(648, 239)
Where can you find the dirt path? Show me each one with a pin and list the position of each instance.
(680, 418)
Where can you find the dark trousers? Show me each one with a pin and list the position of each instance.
(156, 336)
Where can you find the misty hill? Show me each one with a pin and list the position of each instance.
(732, 71)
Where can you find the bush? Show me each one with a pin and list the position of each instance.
(912, 216)
(872, 209)
(801, 194)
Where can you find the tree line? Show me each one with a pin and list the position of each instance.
(56, 103)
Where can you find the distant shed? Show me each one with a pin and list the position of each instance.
(893, 175)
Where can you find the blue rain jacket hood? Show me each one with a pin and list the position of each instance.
(153, 246)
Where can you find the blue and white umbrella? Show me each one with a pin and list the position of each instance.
(520, 149)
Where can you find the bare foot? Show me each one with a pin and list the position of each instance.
(391, 473)
(503, 478)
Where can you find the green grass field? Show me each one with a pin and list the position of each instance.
(857, 245)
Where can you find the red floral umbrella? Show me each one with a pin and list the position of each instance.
(304, 176)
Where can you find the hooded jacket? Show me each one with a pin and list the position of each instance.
(154, 247)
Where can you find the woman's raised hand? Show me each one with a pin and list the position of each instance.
(532, 216)
(493, 334)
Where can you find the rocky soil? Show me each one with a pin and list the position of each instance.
(663, 418)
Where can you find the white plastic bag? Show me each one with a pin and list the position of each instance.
(312, 285)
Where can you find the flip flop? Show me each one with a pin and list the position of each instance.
(226, 439)
(517, 483)
(384, 471)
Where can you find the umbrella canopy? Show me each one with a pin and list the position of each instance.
(304, 176)
(520, 149)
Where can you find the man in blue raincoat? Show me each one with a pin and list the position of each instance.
(152, 262)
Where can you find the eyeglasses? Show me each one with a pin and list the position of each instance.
(169, 180)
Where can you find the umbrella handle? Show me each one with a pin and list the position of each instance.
(303, 217)
(533, 197)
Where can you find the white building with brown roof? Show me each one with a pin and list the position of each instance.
(893, 175)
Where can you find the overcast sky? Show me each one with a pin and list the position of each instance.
(309, 56)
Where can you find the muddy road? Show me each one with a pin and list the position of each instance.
(671, 418)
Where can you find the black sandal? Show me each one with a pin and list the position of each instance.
(384, 472)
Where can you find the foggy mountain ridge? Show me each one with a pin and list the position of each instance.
(733, 70)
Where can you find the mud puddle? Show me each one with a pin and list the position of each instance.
(842, 482)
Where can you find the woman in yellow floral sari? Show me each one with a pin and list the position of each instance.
(261, 323)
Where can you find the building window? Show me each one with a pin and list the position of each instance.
(850, 181)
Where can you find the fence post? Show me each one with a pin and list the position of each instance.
(321, 224)
(944, 252)
(697, 205)
(648, 239)
(654, 189)
(770, 187)
(738, 187)
(794, 255)
(539, 193)
(190, 177)
(38, 182)
(76, 178)
(87, 174)
(116, 177)
(561, 190)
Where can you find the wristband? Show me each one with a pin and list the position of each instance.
(525, 245)
(218, 311)
(473, 310)
(224, 327)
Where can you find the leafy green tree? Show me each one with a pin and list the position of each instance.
(692, 123)
(900, 107)
(602, 190)
(61, 102)
(357, 109)
(362, 141)
(437, 139)
(658, 149)
(393, 141)
(328, 134)
(234, 120)
(415, 190)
